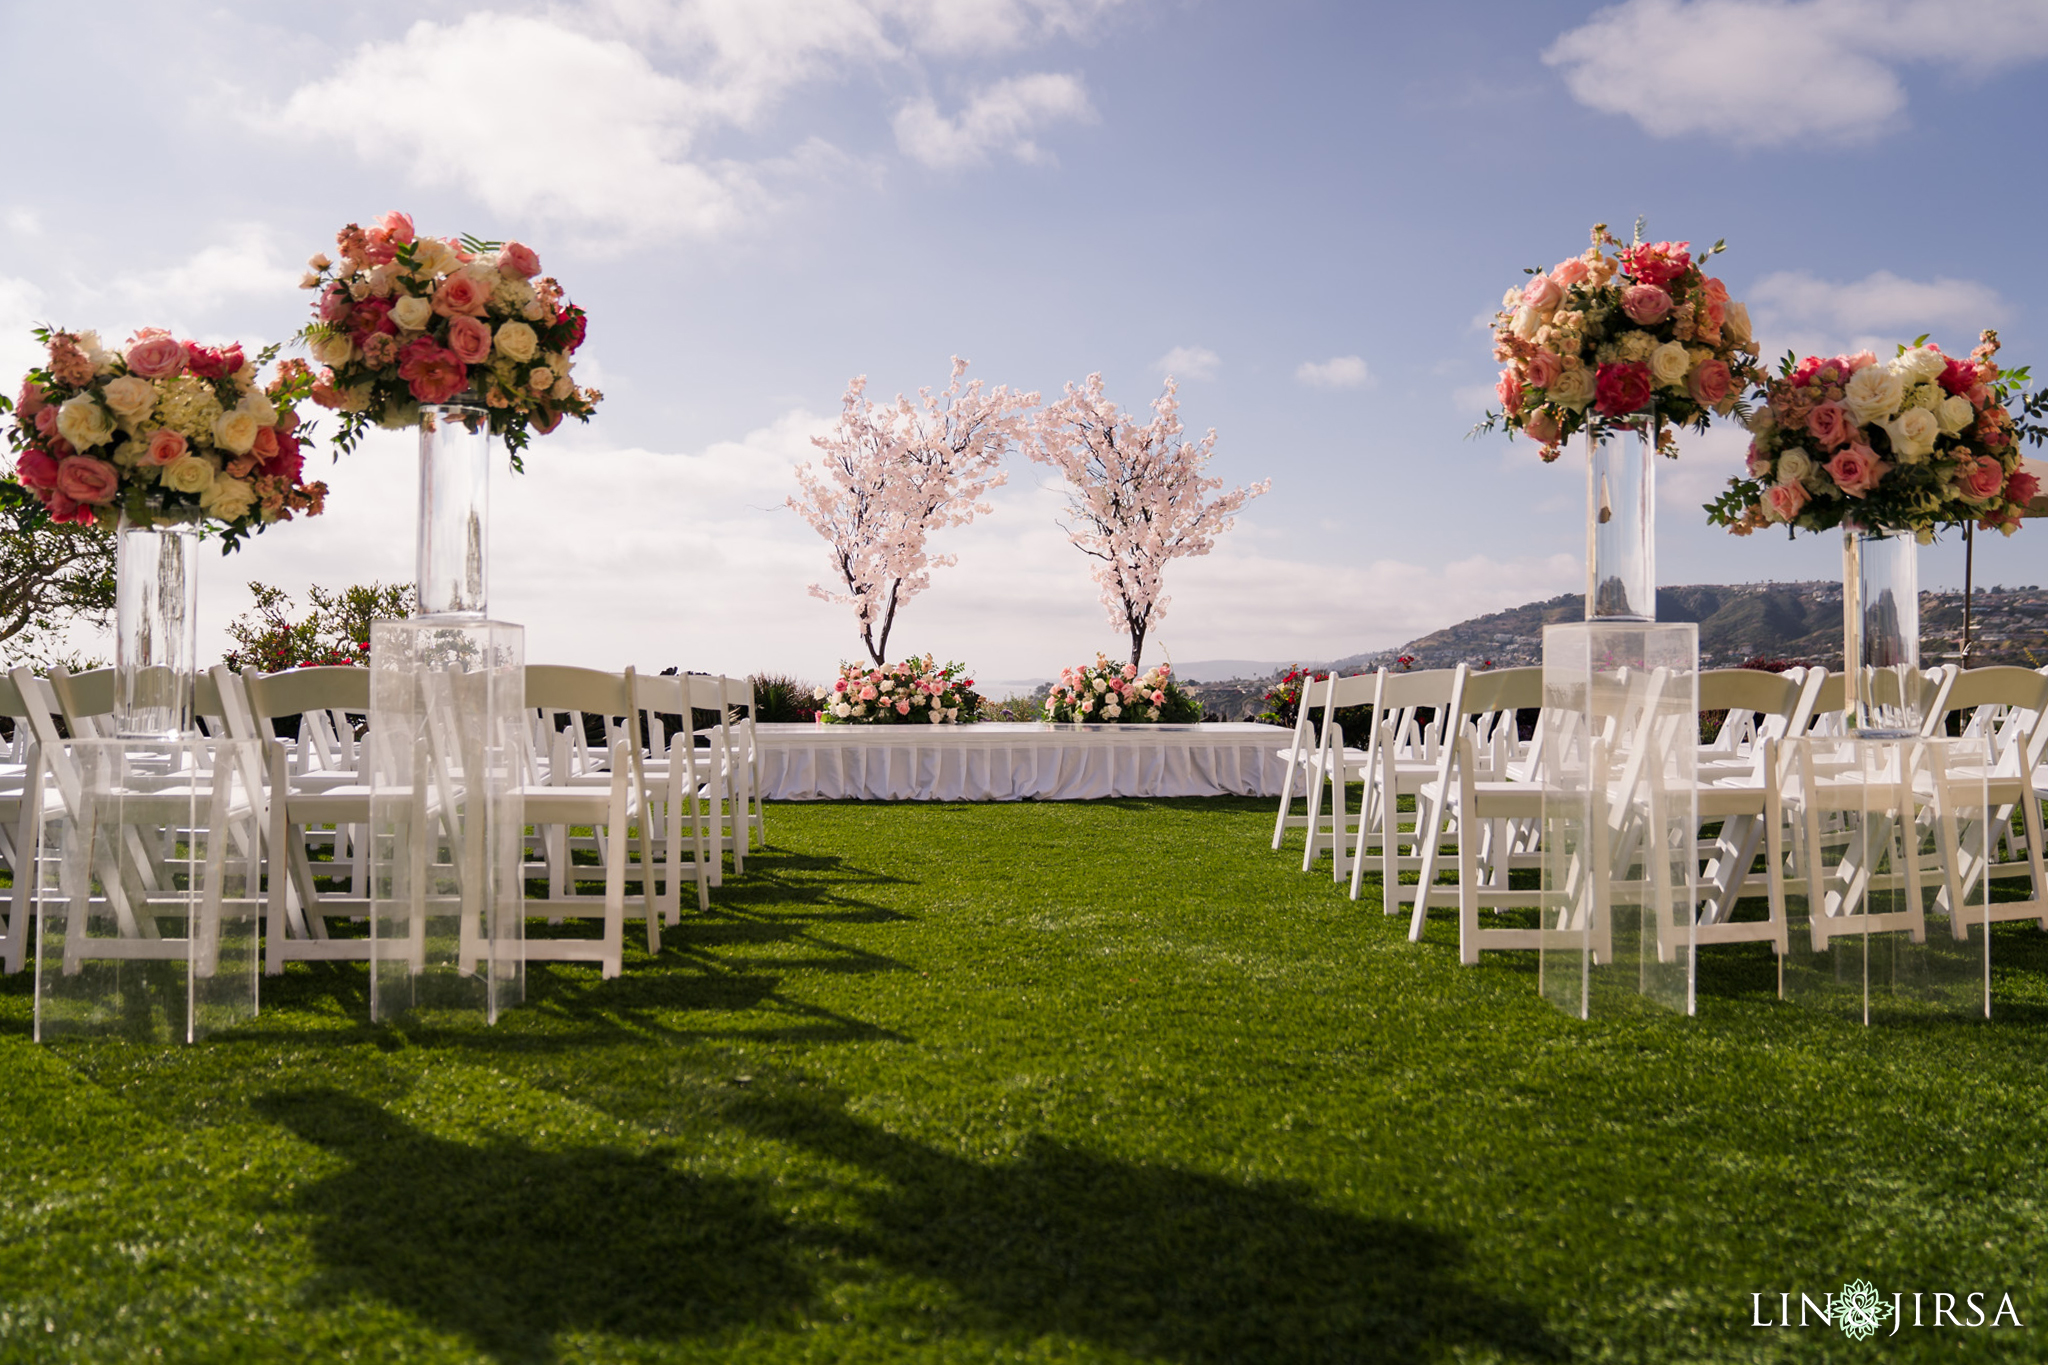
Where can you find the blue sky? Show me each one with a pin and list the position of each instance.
(1303, 211)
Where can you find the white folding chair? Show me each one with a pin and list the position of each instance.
(1331, 763)
(554, 805)
(1298, 753)
(678, 775)
(1402, 751)
(2004, 706)
(21, 793)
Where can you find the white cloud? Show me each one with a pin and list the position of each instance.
(615, 157)
(1770, 72)
(242, 259)
(1338, 372)
(998, 119)
(1189, 362)
(1797, 310)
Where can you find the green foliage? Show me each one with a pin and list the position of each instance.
(779, 698)
(50, 577)
(336, 631)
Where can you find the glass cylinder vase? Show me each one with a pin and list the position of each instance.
(1881, 627)
(1621, 518)
(454, 511)
(156, 625)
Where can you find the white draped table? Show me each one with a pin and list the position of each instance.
(999, 761)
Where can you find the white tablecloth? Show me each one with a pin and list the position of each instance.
(1015, 762)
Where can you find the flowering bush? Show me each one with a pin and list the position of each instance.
(1598, 337)
(1915, 442)
(161, 428)
(914, 691)
(1117, 694)
(1282, 703)
(335, 632)
(404, 320)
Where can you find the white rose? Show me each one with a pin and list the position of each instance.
(235, 431)
(1526, 322)
(534, 310)
(188, 474)
(1573, 389)
(258, 405)
(1112, 710)
(1927, 396)
(842, 710)
(1913, 433)
(1873, 394)
(411, 312)
(1669, 364)
(102, 359)
(433, 256)
(356, 398)
(886, 685)
(936, 717)
(1922, 362)
(383, 280)
(517, 341)
(335, 350)
(1735, 326)
(1101, 686)
(1955, 414)
(1511, 300)
(541, 379)
(131, 399)
(1794, 465)
(229, 499)
(563, 388)
(83, 422)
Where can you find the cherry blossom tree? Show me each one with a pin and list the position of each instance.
(1137, 496)
(894, 472)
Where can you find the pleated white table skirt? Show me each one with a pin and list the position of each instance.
(1003, 761)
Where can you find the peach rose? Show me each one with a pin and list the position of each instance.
(469, 339)
(1857, 470)
(1981, 480)
(155, 355)
(518, 260)
(1569, 273)
(165, 446)
(1709, 382)
(1542, 427)
(1784, 501)
(461, 295)
(1830, 424)
(1543, 368)
(84, 479)
(1541, 293)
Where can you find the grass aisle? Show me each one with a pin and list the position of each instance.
(1101, 1082)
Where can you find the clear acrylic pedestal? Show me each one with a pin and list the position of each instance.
(445, 758)
(1885, 903)
(148, 888)
(1618, 760)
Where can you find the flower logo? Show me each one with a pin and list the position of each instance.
(1859, 1311)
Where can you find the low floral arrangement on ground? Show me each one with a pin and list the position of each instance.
(914, 691)
(1104, 693)
(1598, 338)
(1916, 442)
(162, 429)
(404, 320)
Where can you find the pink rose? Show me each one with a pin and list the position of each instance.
(1709, 382)
(1623, 387)
(2022, 487)
(31, 400)
(1981, 480)
(323, 391)
(165, 446)
(1510, 391)
(469, 339)
(460, 295)
(1656, 262)
(84, 479)
(1784, 501)
(433, 373)
(155, 355)
(1542, 427)
(397, 227)
(370, 316)
(1159, 699)
(1857, 470)
(1541, 294)
(1758, 463)
(205, 361)
(36, 470)
(380, 349)
(335, 303)
(1645, 304)
(264, 449)
(1831, 425)
(46, 421)
(518, 260)
(903, 707)
(1543, 368)
(1569, 273)
(868, 693)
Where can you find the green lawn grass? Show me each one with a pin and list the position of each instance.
(1063, 1082)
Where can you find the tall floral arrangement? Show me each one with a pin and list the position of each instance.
(916, 691)
(1596, 338)
(403, 320)
(162, 428)
(1106, 693)
(1916, 442)
(1137, 495)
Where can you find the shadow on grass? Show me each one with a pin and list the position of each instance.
(1152, 1261)
(509, 1246)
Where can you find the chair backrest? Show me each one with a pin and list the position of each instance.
(296, 691)
(1402, 694)
(1501, 689)
(2002, 685)
(1748, 689)
(85, 700)
(1360, 689)
(561, 687)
